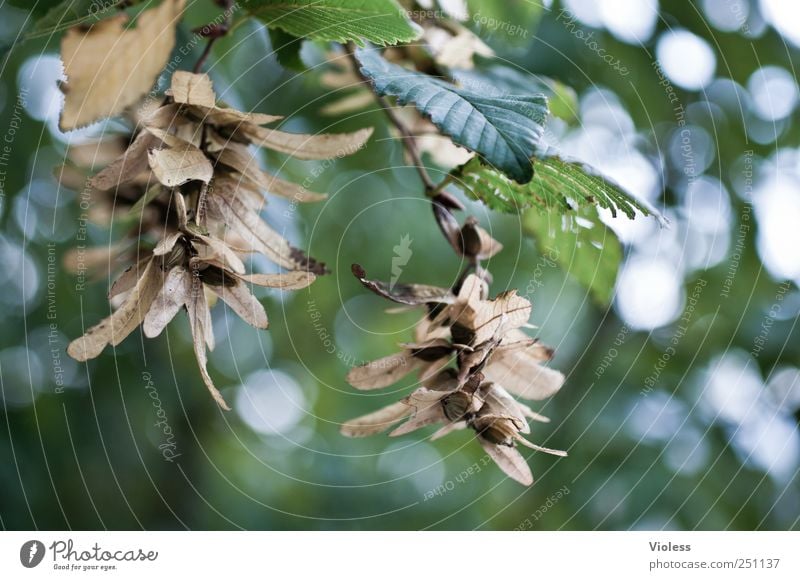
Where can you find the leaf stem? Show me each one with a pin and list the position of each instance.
(442, 202)
(214, 32)
(408, 138)
(410, 144)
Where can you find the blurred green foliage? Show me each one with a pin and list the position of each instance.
(86, 454)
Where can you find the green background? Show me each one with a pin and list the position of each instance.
(86, 456)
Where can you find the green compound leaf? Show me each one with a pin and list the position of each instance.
(558, 184)
(503, 130)
(379, 21)
(582, 245)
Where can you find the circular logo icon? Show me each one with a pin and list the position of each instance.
(31, 553)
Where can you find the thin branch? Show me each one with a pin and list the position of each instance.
(204, 55)
(213, 32)
(410, 144)
(409, 139)
(441, 201)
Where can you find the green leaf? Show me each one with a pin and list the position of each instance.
(287, 49)
(71, 13)
(558, 184)
(489, 75)
(378, 21)
(582, 245)
(503, 130)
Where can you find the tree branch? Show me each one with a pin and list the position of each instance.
(213, 32)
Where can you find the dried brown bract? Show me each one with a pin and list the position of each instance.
(472, 356)
(194, 194)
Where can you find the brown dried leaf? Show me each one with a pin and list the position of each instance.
(247, 223)
(111, 66)
(476, 241)
(376, 422)
(499, 404)
(223, 116)
(243, 303)
(221, 252)
(200, 323)
(430, 414)
(411, 294)
(179, 165)
(238, 158)
(523, 376)
(175, 292)
(302, 146)
(164, 117)
(166, 244)
(509, 460)
(487, 319)
(197, 91)
(127, 280)
(192, 89)
(285, 281)
(123, 321)
(530, 445)
(127, 167)
(384, 371)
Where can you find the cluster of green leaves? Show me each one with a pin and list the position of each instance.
(557, 184)
(493, 110)
(559, 211)
(502, 130)
(381, 22)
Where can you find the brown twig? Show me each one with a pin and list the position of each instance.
(442, 202)
(213, 32)
(410, 144)
(409, 139)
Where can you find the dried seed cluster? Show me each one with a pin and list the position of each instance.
(193, 194)
(472, 356)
